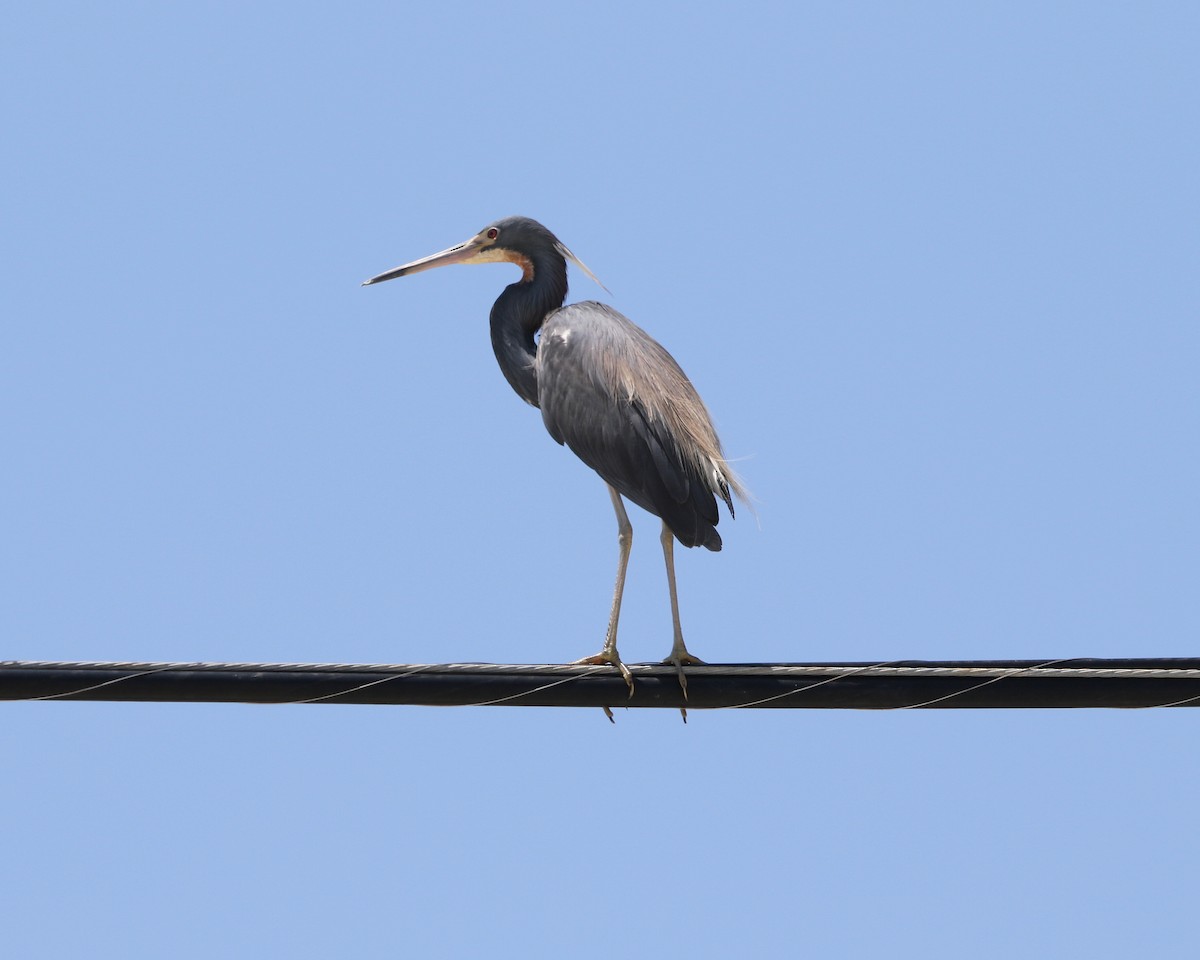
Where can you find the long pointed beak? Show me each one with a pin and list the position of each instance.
(460, 254)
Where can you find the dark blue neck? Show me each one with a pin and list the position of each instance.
(518, 314)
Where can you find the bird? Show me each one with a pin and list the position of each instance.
(613, 395)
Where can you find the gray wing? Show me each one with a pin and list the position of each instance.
(613, 395)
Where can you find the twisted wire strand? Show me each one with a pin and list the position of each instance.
(882, 668)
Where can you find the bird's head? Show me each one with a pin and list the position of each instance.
(516, 240)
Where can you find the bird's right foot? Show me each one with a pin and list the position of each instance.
(613, 658)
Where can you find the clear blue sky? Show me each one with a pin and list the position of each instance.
(932, 266)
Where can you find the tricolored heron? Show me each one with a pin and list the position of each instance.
(612, 394)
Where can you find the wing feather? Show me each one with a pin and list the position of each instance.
(613, 395)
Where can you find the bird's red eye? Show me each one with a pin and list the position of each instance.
(493, 233)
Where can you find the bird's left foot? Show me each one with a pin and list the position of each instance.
(678, 658)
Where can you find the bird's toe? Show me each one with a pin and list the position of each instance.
(612, 658)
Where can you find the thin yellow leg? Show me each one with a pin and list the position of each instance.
(679, 652)
(625, 544)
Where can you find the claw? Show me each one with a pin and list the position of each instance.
(613, 658)
(611, 719)
(678, 660)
